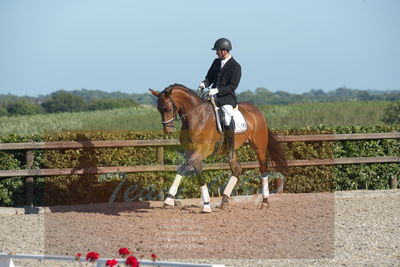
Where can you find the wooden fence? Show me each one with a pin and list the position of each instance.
(161, 143)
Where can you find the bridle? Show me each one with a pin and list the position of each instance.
(169, 123)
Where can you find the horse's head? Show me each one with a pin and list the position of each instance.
(167, 108)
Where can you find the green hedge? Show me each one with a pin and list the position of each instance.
(142, 186)
(366, 176)
(12, 189)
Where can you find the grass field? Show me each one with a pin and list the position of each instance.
(326, 113)
(145, 118)
(117, 119)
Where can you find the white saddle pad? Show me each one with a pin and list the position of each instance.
(240, 122)
(238, 118)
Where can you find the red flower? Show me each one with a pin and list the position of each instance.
(154, 257)
(92, 256)
(124, 252)
(111, 262)
(78, 256)
(132, 261)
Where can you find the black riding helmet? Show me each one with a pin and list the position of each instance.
(222, 44)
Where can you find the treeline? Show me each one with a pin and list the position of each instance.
(263, 96)
(84, 99)
(61, 101)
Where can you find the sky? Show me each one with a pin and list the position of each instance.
(133, 45)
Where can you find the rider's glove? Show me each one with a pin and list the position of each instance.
(201, 87)
(213, 91)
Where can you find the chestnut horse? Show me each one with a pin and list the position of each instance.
(200, 138)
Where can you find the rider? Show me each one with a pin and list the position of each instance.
(224, 77)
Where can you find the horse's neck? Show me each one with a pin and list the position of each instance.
(187, 102)
(194, 112)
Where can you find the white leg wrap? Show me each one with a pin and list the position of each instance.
(265, 188)
(206, 199)
(170, 201)
(204, 194)
(174, 187)
(229, 187)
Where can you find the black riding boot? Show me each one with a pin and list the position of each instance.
(229, 133)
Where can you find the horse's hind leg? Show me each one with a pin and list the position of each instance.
(259, 144)
(262, 159)
(236, 171)
(205, 196)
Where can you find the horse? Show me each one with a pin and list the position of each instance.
(200, 138)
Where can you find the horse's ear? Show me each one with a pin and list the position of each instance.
(153, 92)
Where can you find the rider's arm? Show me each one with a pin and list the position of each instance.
(212, 74)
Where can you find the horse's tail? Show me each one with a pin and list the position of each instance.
(276, 152)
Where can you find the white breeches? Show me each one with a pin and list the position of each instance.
(228, 113)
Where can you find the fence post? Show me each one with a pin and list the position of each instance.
(160, 155)
(29, 180)
(393, 182)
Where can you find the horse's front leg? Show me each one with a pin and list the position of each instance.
(194, 161)
(183, 170)
(170, 199)
(236, 171)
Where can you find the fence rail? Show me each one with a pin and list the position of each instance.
(28, 147)
(207, 167)
(175, 142)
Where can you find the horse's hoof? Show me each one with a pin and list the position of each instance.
(169, 202)
(178, 203)
(265, 203)
(206, 208)
(224, 202)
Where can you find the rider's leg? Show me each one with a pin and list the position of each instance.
(229, 133)
(229, 129)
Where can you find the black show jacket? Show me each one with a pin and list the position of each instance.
(226, 80)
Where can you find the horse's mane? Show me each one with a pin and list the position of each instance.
(177, 86)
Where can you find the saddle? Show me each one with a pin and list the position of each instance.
(238, 118)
